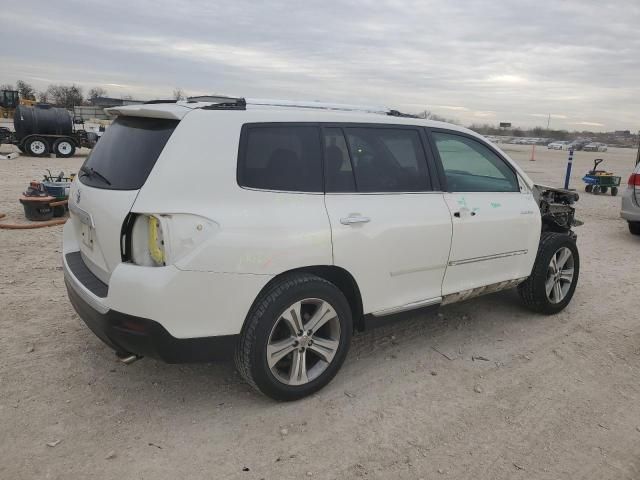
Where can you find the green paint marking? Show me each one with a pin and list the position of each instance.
(495, 205)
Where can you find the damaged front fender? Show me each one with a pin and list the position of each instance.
(556, 208)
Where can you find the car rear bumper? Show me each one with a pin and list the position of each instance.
(130, 334)
(630, 209)
(116, 312)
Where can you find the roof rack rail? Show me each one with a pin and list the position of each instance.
(234, 104)
(318, 105)
(152, 102)
(210, 98)
(396, 113)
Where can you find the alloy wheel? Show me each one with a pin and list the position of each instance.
(303, 342)
(559, 275)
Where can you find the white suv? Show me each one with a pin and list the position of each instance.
(270, 231)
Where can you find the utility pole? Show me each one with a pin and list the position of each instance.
(548, 121)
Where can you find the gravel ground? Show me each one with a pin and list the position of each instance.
(553, 397)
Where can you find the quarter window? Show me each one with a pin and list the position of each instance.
(470, 166)
(387, 160)
(283, 158)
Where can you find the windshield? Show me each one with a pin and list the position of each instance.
(126, 153)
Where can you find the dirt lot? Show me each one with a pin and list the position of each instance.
(557, 397)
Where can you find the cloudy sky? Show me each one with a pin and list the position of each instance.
(479, 61)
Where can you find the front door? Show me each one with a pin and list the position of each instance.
(496, 221)
(388, 228)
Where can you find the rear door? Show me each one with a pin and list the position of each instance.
(496, 221)
(390, 229)
(107, 185)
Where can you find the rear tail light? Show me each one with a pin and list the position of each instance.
(154, 240)
(143, 241)
(634, 180)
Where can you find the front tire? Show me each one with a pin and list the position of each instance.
(554, 277)
(295, 338)
(634, 228)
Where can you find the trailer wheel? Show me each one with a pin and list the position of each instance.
(588, 188)
(614, 191)
(37, 147)
(63, 147)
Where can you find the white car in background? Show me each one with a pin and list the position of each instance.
(595, 147)
(559, 145)
(269, 231)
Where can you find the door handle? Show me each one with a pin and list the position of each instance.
(458, 215)
(353, 219)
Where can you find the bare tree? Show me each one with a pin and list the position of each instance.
(43, 96)
(64, 95)
(429, 115)
(179, 94)
(26, 90)
(6, 86)
(96, 92)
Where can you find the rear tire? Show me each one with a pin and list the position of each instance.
(64, 148)
(272, 327)
(634, 228)
(37, 147)
(604, 189)
(588, 188)
(614, 191)
(547, 291)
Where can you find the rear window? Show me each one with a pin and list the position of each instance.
(124, 156)
(286, 158)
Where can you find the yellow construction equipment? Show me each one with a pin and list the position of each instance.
(9, 100)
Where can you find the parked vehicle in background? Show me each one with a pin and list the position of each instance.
(559, 145)
(631, 202)
(44, 129)
(595, 147)
(306, 222)
(576, 145)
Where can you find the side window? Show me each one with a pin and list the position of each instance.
(387, 160)
(470, 166)
(338, 173)
(283, 157)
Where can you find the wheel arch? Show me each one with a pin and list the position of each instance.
(338, 276)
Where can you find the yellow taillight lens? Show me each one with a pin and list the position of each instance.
(156, 241)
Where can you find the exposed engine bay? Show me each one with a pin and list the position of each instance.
(556, 207)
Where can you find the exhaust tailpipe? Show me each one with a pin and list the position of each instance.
(127, 358)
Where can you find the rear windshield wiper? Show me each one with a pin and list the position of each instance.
(88, 171)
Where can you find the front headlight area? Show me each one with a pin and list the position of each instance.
(157, 240)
